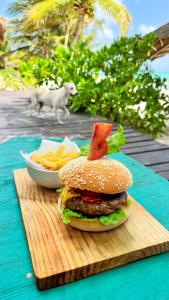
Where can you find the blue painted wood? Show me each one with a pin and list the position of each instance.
(142, 280)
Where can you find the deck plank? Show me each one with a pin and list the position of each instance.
(151, 158)
(144, 149)
(160, 167)
(164, 174)
(140, 144)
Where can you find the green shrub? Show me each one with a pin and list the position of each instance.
(13, 80)
(112, 82)
(26, 71)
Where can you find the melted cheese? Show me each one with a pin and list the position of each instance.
(67, 194)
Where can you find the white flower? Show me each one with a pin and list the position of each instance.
(135, 89)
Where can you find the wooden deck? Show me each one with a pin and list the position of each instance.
(15, 120)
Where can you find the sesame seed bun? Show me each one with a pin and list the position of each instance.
(95, 226)
(103, 175)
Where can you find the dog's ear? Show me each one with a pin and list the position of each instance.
(66, 84)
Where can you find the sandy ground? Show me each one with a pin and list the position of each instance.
(164, 139)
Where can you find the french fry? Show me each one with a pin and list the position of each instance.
(48, 154)
(60, 150)
(50, 158)
(50, 165)
(37, 158)
(54, 160)
(68, 158)
(54, 156)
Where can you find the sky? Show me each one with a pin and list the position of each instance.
(147, 15)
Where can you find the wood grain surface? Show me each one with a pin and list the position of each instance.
(61, 254)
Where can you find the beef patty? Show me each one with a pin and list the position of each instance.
(103, 207)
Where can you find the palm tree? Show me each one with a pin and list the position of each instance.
(82, 10)
(48, 12)
(2, 29)
(32, 39)
(116, 10)
(58, 21)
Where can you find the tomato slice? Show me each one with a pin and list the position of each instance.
(98, 145)
(90, 199)
(90, 193)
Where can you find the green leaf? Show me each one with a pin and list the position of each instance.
(113, 218)
(129, 201)
(116, 141)
(60, 190)
(67, 213)
(84, 150)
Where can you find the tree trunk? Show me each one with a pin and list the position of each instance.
(2, 29)
(45, 51)
(66, 41)
(13, 51)
(79, 27)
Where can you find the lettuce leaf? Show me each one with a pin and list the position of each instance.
(113, 218)
(67, 213)
(114, 141)
(84, 150)
(129, 201)
(60, 190)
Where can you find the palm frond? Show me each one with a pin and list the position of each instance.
(17, 6)
(118, 12)
(41, 10)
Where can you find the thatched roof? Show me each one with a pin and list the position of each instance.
(161, 46)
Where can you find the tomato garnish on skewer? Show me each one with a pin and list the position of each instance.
(98, 146)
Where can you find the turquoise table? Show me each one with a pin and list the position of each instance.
(147, 279)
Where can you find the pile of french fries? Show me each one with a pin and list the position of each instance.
(54, 160)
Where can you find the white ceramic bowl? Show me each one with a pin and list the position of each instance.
(43, 177)
(46, 178)
(40, 175)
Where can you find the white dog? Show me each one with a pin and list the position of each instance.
(57, 99)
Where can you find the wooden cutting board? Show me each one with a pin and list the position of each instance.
(61, 254)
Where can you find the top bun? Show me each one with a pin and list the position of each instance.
(103, 175)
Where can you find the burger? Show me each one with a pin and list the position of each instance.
(94, 197)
